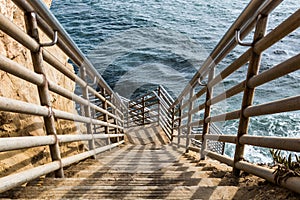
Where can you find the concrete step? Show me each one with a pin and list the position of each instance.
(129, 168)
(133, 172)
(147, 174)
(130, 192)
(132, 181)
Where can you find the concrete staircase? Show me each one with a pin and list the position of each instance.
(132, 172)
(147, 167)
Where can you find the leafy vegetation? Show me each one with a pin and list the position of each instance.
(285, 166)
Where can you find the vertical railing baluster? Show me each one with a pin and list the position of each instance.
(190, 118)
(123, 119)
(143, 110)
(87, 109)
(158, 105)
(172, 123)
(209, 94)
(179, 124)
(94, 116)
(127, 114)
(115, 112)
(105, 116)
(112, 120)
(122, 123)
(104, 106)
(44, 93)
(248, 96)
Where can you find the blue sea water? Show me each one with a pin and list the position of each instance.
(138, 45)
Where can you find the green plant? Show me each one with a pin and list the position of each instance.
(285, 166)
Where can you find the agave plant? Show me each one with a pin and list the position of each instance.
(285, 166)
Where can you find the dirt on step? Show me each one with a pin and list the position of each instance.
(250, 186)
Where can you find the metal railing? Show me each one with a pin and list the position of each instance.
(151, 108)
(154, 107)
(198, 98)
(142, 110)
(101, 109)
(213, 146)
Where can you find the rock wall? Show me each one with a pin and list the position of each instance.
(12, 124)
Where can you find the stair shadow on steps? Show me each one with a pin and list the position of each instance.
(159, 187)
(118, 190)
(120, 174)
(147, 171)
(98, 175)
(151, 134)
(155, 177)
(15, 193)
(118, 184)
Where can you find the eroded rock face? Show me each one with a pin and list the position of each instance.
(12, 124)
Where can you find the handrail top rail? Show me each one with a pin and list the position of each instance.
(243, 22)
(157, 108)
(42, 10)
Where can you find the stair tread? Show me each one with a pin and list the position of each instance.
(127, 192)
(191, 174)
(131, 181)
(132, 172)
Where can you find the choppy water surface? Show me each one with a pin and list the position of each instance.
(138, 45)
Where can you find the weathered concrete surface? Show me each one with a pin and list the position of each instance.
(154, 170)
(151, 134)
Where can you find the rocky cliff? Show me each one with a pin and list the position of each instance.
(12, 124)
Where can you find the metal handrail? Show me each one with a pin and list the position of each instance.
(162, 108)
(158, 100)
(245, 22)
(43, 11)
(254, 78)
(46, 20)
(111, 115)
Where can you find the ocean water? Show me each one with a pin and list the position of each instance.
(138, 45)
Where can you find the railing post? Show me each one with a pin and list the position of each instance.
(179, 124)
(105, 116)
(158, 105)
(143, 110)
(209, 94)
(115, 112)
(190, 118)
(93, 114)
(44, 94)
(87, 109)
(172, 123)
(121, 116)
(127, 114)
(248, 97)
